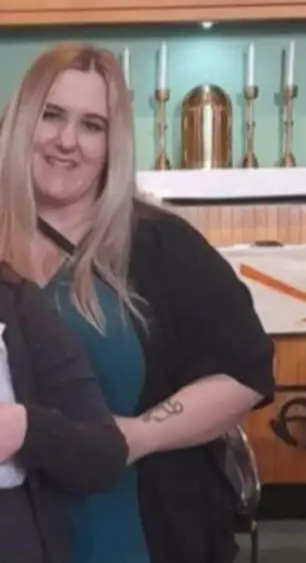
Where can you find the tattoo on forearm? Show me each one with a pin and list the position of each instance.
(163, 411)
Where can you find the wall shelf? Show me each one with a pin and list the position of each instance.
(225, 186)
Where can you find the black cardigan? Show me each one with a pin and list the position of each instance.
(199, 321)
(72, 443)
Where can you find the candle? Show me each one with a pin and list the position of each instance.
(162, 67)
(251, 66)
(126, 66)
(290, 64)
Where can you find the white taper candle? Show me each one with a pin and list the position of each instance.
(126, 66)
(290, 64)
(251, 66)
(162, 66)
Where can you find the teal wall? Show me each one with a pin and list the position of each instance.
(196, 56)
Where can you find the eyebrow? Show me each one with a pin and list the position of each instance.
(89, 115)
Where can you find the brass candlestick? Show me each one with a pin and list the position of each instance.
(289, 93)
(162, 97)
(249, 160)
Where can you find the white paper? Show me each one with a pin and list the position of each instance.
(278, 310)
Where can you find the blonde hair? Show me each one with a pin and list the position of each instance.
(107, 245)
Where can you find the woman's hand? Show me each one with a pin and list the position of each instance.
(13, 428)
(134, 432)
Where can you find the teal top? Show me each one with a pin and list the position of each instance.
(107, 527)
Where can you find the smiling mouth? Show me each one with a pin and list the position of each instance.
(65, 163)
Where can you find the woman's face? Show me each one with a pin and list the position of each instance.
(70, 141)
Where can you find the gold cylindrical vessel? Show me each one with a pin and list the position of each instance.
(207, 128)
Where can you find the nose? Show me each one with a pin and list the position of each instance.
(67, 136)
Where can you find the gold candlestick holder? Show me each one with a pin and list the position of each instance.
(162, 96)
(289, 93)
(250, 94)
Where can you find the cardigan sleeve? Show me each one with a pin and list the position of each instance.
(216, 327)
(71, 435)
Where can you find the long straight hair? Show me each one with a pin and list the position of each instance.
(107, 245)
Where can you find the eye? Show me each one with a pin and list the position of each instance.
(51, 115)
(93, 126)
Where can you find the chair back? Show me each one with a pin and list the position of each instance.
(240, 468)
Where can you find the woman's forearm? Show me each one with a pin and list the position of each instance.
(196, 414)
(44, 440)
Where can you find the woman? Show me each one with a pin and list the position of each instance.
(63, 435)
(171, 333)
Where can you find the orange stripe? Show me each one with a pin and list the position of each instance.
(273, 283)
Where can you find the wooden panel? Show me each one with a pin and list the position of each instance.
(35, 12)
(38, 5)
(19, 5)
(278, 462)
(235, 224)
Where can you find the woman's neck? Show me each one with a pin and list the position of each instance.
(71, 221)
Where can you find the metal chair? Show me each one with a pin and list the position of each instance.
(241, 470)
